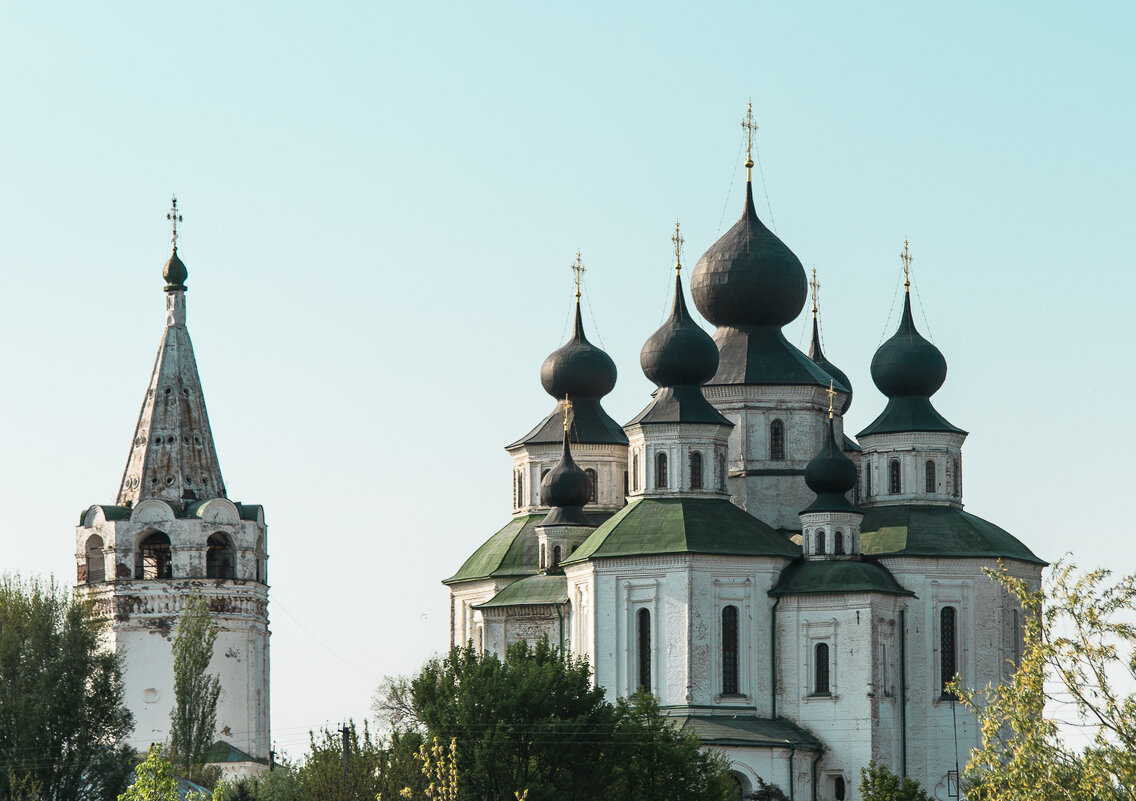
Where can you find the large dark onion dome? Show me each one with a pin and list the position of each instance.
(566, 488)
(817, 355)
(679, 358)
(583, 373)
(831, 475)
(750, 284)
(908, 370)
(175, 273)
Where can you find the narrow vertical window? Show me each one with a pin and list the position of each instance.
(644, 619)
(660, 471)
(635, 470)
(838, 543)
(948, 663)
(95, 561)
(820, 669)
(868, 481)
(958, 480)
(776, 440)
(884, 669)
(820, 541)
(220, 557)
(730, 650)
(930, 475)
(695, 470)
(592, 478)
(626, 487)
(722, 475)
(543, 563)
(839, 788)
(555, 557)
(893, 475)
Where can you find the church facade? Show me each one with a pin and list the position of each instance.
(172, 534)
(797, 597)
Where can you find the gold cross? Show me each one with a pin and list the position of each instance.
(678, 240)
(815, 284)
(174, 217)
(906, 256)
(567, 411)
(578, 268)
(750, 128)
(831, 392)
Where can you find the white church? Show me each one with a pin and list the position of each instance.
(797, 597)
(171, 534)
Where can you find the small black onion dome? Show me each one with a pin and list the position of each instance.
(749, 277)
(566, 485)
(830, 472)
(578, 369)
(907, 364)
(680, 353)
(175, 273)
(817, 355)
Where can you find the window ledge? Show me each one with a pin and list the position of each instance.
(821, 697)
(732, 698)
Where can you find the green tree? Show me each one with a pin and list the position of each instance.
(282, 783)
(154, 780)
(62, 717)
(193, 719)
(1079, 660)
(374, 766)
(877, 783)
(533, 721)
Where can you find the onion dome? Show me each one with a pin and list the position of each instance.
(817, 355)
(831, 475)
(679, 358)
(578, 369)
(175, 273)
(908, 370)
(749, 277)
(566, 488)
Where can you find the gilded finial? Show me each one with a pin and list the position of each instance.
(906, 256)
(678, 240)
(750, 128)
(567, 411)
(831, 392)
(815, 284)
(174, 217)
(578, 269)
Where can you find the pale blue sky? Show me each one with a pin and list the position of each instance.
(381, 203)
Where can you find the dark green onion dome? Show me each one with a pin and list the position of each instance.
(578, 369)
(749, 276)
(679, 358)
(831, 475)
(585, 374)
(909, 370)
(817, 355)
(566, 488)
(175, 273)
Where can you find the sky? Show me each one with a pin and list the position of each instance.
(381, 203)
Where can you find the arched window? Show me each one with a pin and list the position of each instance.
(644, 621)
(592, 478)
(95, 561)
(520, 489)
(635, 470)
(730, 650)
(154, 558)
(948, 663)
(776, 440)
(722, 475)
(958, 480)
(819, 537)
(868, 481)
(556, 556)
(660, 471)
(930, 475)
(695, 470)
(820, 669)
(893, 475)
(543, 563)
(838, 543)
(839, 788)
(220, 557)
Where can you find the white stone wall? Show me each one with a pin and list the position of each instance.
(505, 626)
(144, 615)
(466, 623)
(531, 462)
(677, 442)
(912, 450)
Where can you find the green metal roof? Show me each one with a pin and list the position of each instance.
(109, 512)
(222, 751)
(683, 525)
(823, 576)
(539, 590)
(909, 413)
(762, 355)
(748, 731)
(510, 552)
(937, 531)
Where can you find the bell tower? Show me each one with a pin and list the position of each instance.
(173, 533)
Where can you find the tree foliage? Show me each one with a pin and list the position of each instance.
(877, 783)
(374, 766)
(193, 720)
(62, 717)
(533, 722)
(155, 780)
(1078, 662)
